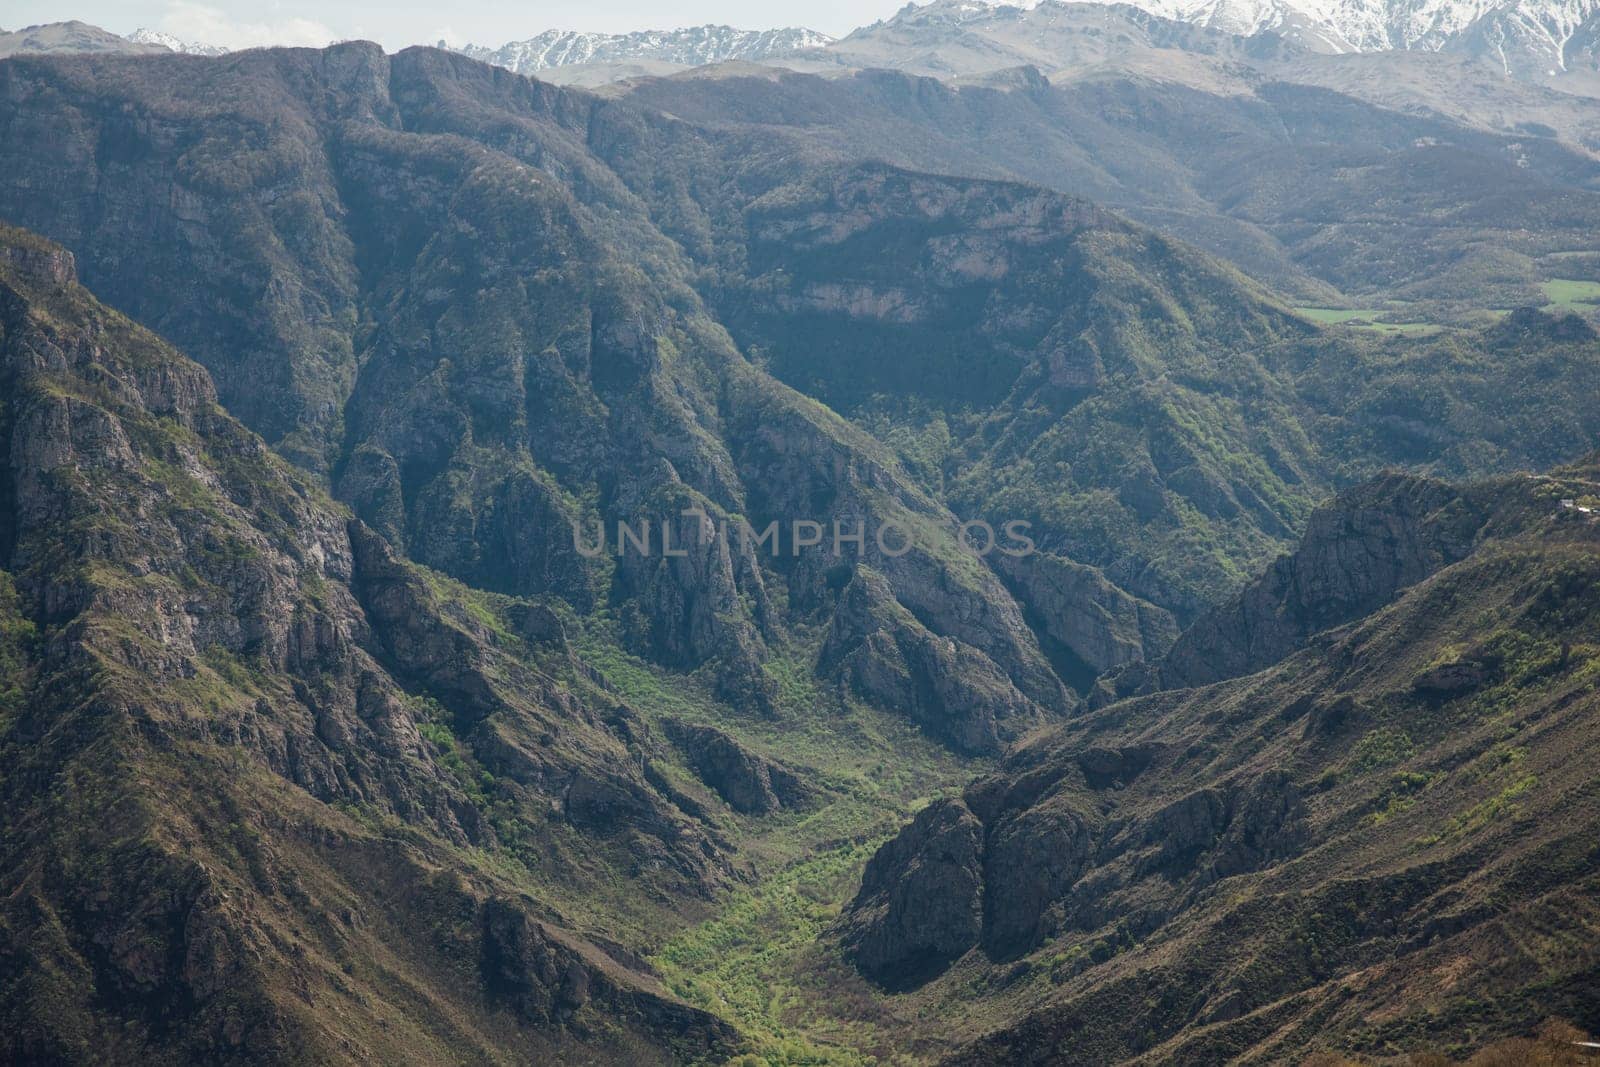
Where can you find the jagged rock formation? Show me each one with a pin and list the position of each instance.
(749, 783)
(1254, 868)
(490, 404)
(1357, 554)
(174, 44)
(885, 655)
(919, 906)
(523, 376)
(1094, 626)
(217, 687)
(691, 47)
(1014, 859)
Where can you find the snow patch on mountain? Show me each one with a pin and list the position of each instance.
(1378, 25)
(1527, 37)
(168, 41)
(692, 47)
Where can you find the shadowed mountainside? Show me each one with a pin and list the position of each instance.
(232, 744)
(1377, 841)
(398, 772)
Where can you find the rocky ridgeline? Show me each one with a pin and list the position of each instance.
(691, 47)
(1357, 554)
(216, 625)
(1383, 736)
(1018, 860)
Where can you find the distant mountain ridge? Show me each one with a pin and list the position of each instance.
(75, 36)
(1379, 25)
(691, 47)
(175, 44)
(71, 36)
(1527, 37)
(1530, 40)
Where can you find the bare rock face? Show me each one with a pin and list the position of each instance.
(542, 980)
(794, 467)
(1108, 767)
(749, 783)
(884, 653)
(40, 260)
(1265, 821)
(1451, 678)
(1357, 554)
(227, 648)
(1088, 617)
(549, 978)
(920, 903)
(1031, 853)
(702, 595)
(1031, 861)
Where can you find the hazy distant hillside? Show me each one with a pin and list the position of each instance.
(69, 37)
(1312, 191)
(691, 47)
(1529, 39)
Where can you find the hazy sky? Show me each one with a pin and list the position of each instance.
(396, 23)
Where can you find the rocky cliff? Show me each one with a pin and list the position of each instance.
(220, 690)
(1331, 852)
(435, 285)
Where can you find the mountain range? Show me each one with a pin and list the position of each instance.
(173, 44)
(323, 738)
(1513, 32)
(1519, 34)
(693, 47)
(1539, 41)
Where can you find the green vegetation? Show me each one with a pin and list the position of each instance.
(480, 333)
(17, 638)
(1375, 319)
(1571, 294)
(1333, 316)
(1401, 795)
(1410, 319)
(1381, 748)
(757, 963)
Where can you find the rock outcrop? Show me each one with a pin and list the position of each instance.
(239, 686)
(1029, 855)
(920, 903)
(751, 784)
(1095, 625)
(549, 978)
(1357, 554)
(884, 654)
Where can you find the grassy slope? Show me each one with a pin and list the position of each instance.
(754, 959)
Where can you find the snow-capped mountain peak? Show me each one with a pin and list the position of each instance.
(691, 47)
(1527, 37)
(167, 40)
(1377, 25)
